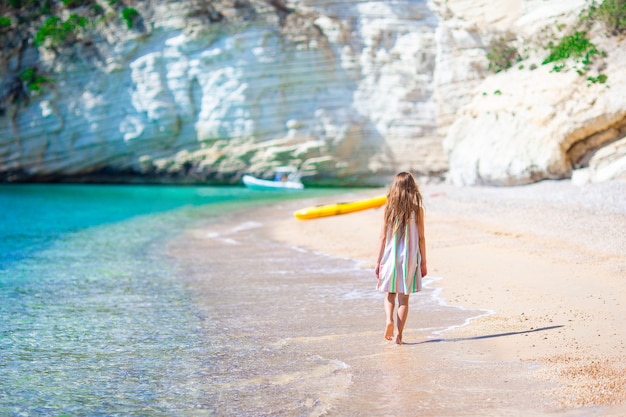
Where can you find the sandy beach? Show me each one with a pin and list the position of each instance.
(545, 263)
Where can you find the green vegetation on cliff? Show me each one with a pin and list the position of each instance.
(575, 45)
(502, 54)
(51, 25)
(58, 31)
(45, 19)
(129, 15)
(612, 13)
(32, 79)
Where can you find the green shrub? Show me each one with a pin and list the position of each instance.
(58, 31)
(75, 3)
(557, 68)
(32, 79)
(579, 48)
(5, 22)
(50, 27)
(612, 13)
(31, 4)
(572, 46)
(502, 55)
(97, 9)
(128, 15)
(600, 79)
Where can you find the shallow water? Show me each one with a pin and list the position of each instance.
(33, 216)
(93, 320)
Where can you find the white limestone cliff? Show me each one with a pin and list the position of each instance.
(350, 92)
(349, 104)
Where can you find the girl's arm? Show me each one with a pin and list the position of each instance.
(422, 242)
(381, 248)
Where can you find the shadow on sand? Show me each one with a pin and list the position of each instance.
(488, 336)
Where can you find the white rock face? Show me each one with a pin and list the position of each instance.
(606, 164)
(353, 104)
(357, 91)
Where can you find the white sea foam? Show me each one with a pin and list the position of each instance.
(221, 238)
(228, 241)
(436, 296)
(246, 226)
(361, 294)
(224, 237)
(298, 249)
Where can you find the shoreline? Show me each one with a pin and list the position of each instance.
(546, 258)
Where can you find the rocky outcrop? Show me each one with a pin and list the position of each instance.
(349, 92)
(607, 163)
(530, 122)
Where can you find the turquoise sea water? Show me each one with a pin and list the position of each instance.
(92, 321)
(34, 216)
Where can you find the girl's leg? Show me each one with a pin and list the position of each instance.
(390, 304)
(403, 313)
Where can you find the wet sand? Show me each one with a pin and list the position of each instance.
(541, 268)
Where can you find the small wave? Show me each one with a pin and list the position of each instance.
(438, 299)
(362, 294)
(246, 226)
(228, 241)
(298, 249)
(224, 237)
(221, 238)
(323, 382)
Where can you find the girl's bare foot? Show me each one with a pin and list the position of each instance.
(399, 339)
(389, 331)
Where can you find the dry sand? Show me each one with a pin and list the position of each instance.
(548, 260)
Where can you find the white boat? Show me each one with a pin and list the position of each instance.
(285, 178)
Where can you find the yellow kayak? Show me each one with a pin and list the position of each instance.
(339, 208)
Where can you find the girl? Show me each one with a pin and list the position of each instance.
(401, 262)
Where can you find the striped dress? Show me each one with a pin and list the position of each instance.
(400, 264)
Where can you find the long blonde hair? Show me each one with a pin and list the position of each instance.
(403, 199)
